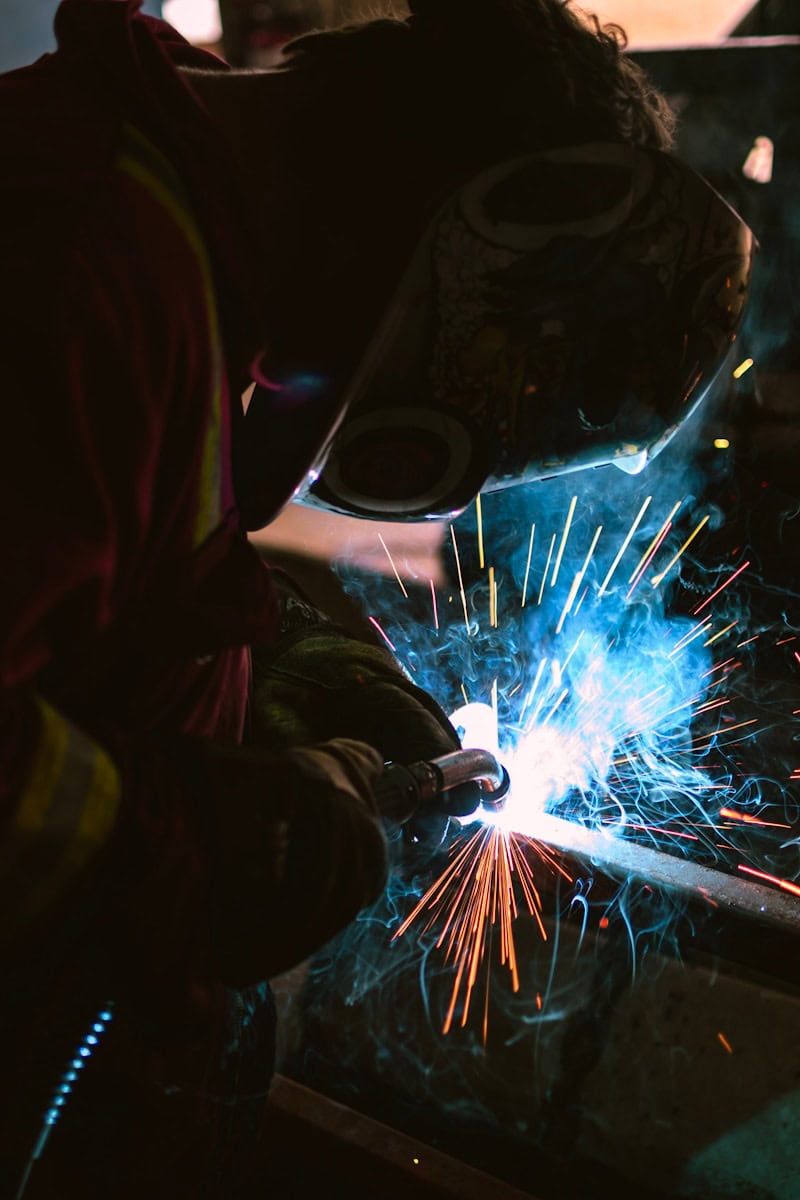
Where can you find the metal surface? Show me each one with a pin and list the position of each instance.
(315, 1145)
(750, 927)
(738, 898)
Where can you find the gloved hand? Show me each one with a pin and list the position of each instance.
(318, 682)
(296, 843)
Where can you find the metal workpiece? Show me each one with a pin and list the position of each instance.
(746, 926)
(624, 860)
(311, 1139)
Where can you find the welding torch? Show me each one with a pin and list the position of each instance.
(438, 784)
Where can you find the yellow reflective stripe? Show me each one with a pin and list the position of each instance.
(65, 814)
(47, 769)
(98, 815)
(146, 165)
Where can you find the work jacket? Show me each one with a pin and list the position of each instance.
(129, 597)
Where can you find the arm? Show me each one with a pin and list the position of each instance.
(92, 817)
(299, 848)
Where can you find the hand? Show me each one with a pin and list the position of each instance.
(317, 681)
(296, 844)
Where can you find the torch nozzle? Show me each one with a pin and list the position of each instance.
(474, 766)
(439, 782)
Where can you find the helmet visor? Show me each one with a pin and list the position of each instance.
(563, 310)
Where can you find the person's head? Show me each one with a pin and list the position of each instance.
(392, 119)
(392, 115)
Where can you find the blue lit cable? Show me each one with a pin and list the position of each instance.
(65, 1087)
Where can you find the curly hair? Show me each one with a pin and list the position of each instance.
(392, 115)
(486, 79)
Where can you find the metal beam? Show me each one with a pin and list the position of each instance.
(320, 1145)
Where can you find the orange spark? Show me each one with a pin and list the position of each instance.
(460, 580)
(480, 891)
(781, 883)
(657, 578)
(394, 568)
(747, 819)
(656, 542)
(721, 588)
(384, 635)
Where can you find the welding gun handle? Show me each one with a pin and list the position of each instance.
(402, 789)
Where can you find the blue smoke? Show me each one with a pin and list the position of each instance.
(616, 704)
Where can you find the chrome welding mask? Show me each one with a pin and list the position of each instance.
(564, 309)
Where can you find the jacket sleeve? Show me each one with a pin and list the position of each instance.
(94, 821)
(82, 438)
(299, 848)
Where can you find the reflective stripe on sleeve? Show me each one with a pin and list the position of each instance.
(65, 814)
(142, 162)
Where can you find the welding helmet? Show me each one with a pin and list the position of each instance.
(563, 309)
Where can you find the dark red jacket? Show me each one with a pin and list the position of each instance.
(129, 593)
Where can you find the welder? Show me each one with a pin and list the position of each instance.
(451, 252)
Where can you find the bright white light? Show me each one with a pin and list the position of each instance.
(197, 20)
(758, 164)
(631, 464)
(547, 763)
(477, 727)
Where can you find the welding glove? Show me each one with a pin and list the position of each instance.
(317, 681)
(297, 843)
